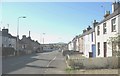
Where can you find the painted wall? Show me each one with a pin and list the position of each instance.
(81, 44)
(89, 40)
(77, 44)
(87, 45)
(104, 37)
(70, 46)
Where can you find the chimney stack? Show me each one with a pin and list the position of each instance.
(107, 14)
(5, 31)
(89, 28)
(29, 35)
(115, 6)
(84, 30)
(94, 23)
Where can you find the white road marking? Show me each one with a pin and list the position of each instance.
(51, 61)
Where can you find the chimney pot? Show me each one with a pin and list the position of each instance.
(84, 30)
(107, 14)
(89, 28)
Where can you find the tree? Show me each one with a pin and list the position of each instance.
(114, 42)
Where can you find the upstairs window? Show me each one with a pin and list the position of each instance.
(92, 37)
(98, 30)
(104, 28)
(113, 24)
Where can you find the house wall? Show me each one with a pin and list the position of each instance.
(104, 37)
(69, 46)
(87, 46)
(81, 44)
(13, 43)
(5, 41)
(77, 44)
(35, 46)
(88, 42)
(74, 44)
(93, 45)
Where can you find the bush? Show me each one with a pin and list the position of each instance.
(75, 64)
(6, 51)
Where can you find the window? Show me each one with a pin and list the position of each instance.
(104, 28)
(98, 48)
(113, 23)
(98, 30)
(92, 37)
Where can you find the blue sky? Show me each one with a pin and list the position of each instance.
(60, 21)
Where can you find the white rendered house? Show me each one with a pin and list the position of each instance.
(108, 27)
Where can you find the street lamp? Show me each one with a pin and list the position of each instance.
(17, 44)
(43, 37)
(18, 25)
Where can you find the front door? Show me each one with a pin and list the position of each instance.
(105, 49)
(94, 50)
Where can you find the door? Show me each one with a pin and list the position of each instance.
(94, 50)
(105, 49)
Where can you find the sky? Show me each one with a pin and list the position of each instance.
(59, 21)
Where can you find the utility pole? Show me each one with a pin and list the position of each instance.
(43, 37)
(17, 43)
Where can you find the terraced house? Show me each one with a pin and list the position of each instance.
(94, 41)
(8, 40)
(87, 41)
(70, 45)
(28, 46)
(107, 28)
(81, 43)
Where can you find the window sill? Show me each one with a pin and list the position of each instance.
(104, 33)
(114, 31)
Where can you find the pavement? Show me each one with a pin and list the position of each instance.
(39, 63)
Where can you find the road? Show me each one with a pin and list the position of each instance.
(39, 63)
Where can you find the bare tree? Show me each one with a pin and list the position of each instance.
(114, 42)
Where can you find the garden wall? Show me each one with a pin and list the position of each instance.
(94, 63)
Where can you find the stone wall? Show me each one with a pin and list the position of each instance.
(95, 63)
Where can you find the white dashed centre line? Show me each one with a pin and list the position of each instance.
(50, 63)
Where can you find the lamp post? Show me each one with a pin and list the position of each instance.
(43, 37)
(17, 44)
